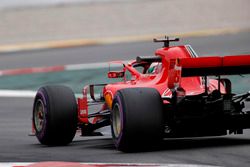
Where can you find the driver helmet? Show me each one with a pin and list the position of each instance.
(154, 68)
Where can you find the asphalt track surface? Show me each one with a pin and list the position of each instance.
(15, 113)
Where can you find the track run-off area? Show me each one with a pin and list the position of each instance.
(86, 65)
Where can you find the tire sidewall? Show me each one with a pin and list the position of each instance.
(118, 140)
(44, 132)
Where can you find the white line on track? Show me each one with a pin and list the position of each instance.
(17, 93)
(69, 67)
(27, 94)
(14, 164)
(86, 66)
(98, 65)
(23, 164)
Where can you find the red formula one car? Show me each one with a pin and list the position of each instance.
(170, 94)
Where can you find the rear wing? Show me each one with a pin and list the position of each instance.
(206, 66)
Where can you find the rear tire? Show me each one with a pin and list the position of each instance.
(55, 115)
(137, 118)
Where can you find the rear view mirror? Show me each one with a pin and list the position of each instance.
(116, 74)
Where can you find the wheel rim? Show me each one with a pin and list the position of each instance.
(116, 120)
(39, 115)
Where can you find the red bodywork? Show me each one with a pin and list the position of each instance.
(180, 67)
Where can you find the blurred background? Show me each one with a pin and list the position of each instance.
(53, 41)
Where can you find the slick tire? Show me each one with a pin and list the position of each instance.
(55, 115)
(136, 119)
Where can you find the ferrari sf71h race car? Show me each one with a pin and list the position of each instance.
(171, 94)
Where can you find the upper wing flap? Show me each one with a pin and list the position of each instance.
(205, 66)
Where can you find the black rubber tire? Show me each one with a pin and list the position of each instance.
(60, 115)
(141, 115)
